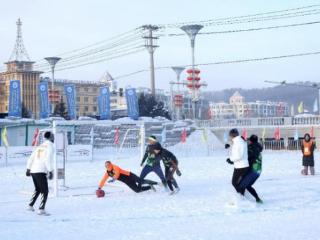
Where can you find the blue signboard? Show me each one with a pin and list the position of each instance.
(70, 91)
(132, 103)
(104, 103)
(44, 99)
(15, 106)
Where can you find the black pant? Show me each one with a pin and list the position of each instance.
(41, 186)
(133, 182)
(237, 176)
(171, 181)
(247, 182)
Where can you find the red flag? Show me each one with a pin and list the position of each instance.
(277, 134)
(35, 137)
(312, 132)
(116, 136)
(184, 136)
(244, 134)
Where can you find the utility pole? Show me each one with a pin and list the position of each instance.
(150, 40)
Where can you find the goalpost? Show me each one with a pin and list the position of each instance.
(87, 141)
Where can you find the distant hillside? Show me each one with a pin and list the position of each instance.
(290, 94)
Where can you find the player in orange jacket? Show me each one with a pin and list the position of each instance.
(128, 178)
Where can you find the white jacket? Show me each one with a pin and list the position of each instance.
(41, 159)
(239, 153)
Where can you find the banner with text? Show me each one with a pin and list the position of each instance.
(104, 103)
(70, 91)
(132, 103)
(44, 99)
(15, 106)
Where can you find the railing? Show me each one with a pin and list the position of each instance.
(256, 122)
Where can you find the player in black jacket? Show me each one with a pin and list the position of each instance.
(170, 163)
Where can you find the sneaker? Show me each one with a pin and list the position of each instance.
(172, 193)
(259, 201)
(177, 190)
(43, 212)
(30, 208)
(153, 188)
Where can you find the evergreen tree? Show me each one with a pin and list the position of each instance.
(150, 107)
(60, 109)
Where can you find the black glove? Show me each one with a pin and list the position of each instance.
(28, 174)
(229, 161)
(50, 175)
(227, 145)
(178, 173)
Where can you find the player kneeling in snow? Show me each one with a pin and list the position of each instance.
(39, 167)
(308, 146)
(128, 178)
(170, 163)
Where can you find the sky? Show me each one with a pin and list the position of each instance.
(53, 27)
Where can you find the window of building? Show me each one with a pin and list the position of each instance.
(86, 99)
(94, 108)
(86, 89)
(78, 99)
(86, 108)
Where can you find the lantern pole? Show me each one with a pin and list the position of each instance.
(192, 31)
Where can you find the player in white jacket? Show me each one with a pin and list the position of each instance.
(238, 157)
(39, 167)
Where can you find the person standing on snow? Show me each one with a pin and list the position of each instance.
(308, 146)
(239, 158)
(39, 167)
(152, 164)
(255, 163)
(152, 140)
(128, 178)
(170, 163)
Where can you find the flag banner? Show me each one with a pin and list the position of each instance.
(104, 103)
(204, 135)
(132, 103)
(15, 106)
(277, 135)
(315, 106)
(35, 137)
(70, 91)
(296, 135)
(4, 137)
(244, 134)
(312, 132)
(300, 108)
(263, 134)
(292, 110)
(184, 136)
(44, 99)
(225, 137)
(164, 135)
(117, 137)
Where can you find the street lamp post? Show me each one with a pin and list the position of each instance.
(52, 61)
(178, 71)
(192, 31)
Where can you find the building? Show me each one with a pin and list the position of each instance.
(238, 108)
(87, 93)
(20, 67)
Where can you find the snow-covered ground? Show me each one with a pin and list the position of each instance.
(291, 208)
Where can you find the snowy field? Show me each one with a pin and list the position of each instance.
(202, 209)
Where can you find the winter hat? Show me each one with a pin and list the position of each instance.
(253, 138)
(157, 146)
(152, 138)
(307, 137)
(234, 132)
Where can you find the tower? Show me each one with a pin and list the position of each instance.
(20, 67)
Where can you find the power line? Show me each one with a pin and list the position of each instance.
(101, 60)
(226, 62)
(225, 19)
(251, 29)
